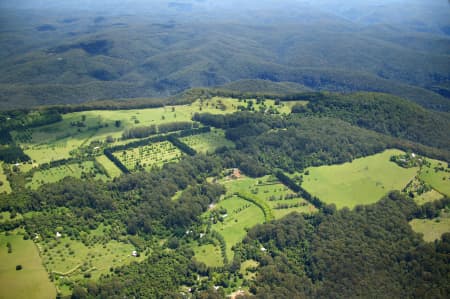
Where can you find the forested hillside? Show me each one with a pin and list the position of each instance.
(49, 59)
(383, 257)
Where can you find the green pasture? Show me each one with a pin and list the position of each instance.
(208, 142)
(363, 181)
(209, 254)
(63, 139)
(60, 140)
(148, 156)
(432, 229)
(6, 216)
(71, 260)
(429, 196)
(110, 168)
(231, 104)
(278, 197)
(437, 175)
(241, 215)
(55, 174)
(4, 185)
(30, 282)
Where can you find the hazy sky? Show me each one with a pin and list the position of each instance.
(110, 4)
(363, 11)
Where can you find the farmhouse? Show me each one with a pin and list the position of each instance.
(236, 173)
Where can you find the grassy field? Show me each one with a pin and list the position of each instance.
(432, 229)
(63, 139)
(437, 175)
(60, 140)
(65, 255)
(110, 168)
(363, 181)
(30, 282)
(155, 154)
(278, 197)
(208, 142)
(429, 196)
(241, 215)
(71, 260)
(231, 104)
(209, 254)
(6, 216)
(56, 174)
(4, 185)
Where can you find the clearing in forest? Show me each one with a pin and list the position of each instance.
(362, 181)
(432, 229)
(148, 156)
(72, 260)
(207, 142)
(437, 174)
(209, 254)
(54, 174)
(277, 196)
(232, 217)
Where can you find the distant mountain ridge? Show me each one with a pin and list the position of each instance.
(51, 58)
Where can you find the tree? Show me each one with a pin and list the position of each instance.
(109, 139)
(78, 293)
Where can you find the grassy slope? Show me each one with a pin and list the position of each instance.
(6, 216)
(208, 142)
(270, 190)
(30, 282)
(234, 225)
(56, 174)
(98, 257)
(362, 181)
(209, 254)
(56, 141)
(242, 214)
(109, 166)
(432, 229)
(439, 180)
(429, 196)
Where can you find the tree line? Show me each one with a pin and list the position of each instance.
(145, 131)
